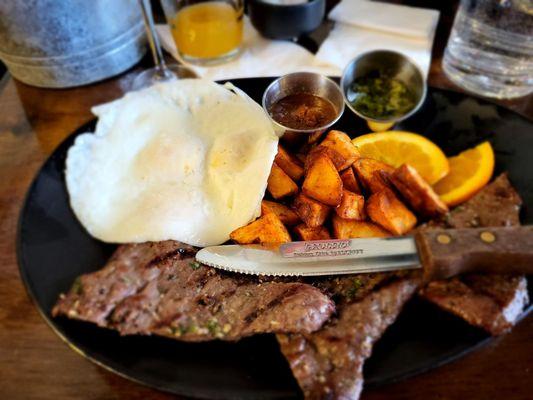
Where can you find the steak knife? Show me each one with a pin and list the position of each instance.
(441, 253)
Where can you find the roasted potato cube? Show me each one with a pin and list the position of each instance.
(303, 232)
(342, 144)
(350, 229)
(322, 182)
(417, 192)
(319, 151)
(372, 174)
(386, 210)
(289, 164)
(284, 213)
(280, 184)
(266, 229)
(352, 206)
(349, 181)
(311, 212)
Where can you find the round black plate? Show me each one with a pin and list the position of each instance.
(54, 249)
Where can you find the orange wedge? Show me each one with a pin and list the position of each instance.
(469, 172)
(397, 147)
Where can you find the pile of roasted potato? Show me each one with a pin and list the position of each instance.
(332, 192)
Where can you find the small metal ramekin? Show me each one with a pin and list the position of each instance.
(396, 65)
(303, 82)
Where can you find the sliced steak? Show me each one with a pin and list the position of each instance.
(158, 288)
(497, 204)
(328, 364)
(492, 302)
(94, 296)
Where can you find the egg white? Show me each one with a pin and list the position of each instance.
(186, 160)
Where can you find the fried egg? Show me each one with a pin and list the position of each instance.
(186, 160)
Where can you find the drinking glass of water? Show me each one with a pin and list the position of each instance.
(490, 49)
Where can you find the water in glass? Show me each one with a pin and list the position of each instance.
(490, 49)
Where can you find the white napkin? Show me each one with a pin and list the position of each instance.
(363, 25)
(259, 57)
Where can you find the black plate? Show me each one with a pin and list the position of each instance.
(54, 249)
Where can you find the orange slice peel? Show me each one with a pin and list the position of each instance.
(469, 172)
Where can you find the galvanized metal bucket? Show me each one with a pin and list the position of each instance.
(64, 43)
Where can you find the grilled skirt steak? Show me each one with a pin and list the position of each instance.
(328, 364)
(491, 302)
(158, 288)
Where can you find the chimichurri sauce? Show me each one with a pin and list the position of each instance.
(380, 96)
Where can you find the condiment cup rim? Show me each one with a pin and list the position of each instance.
(394, 120)
(319, 128)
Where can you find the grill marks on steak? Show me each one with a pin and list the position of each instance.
(158, 288)
(492, 302)
(328, 364)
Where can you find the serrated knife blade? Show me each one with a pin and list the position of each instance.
(313, 258)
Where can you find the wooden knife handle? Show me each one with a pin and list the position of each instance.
(448, 252)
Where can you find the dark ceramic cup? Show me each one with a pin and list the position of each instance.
(278, 21)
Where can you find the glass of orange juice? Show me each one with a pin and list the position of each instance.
(205, 31)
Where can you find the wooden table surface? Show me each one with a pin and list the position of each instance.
(36, 364)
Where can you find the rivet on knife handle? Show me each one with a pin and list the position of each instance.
(448, 252)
